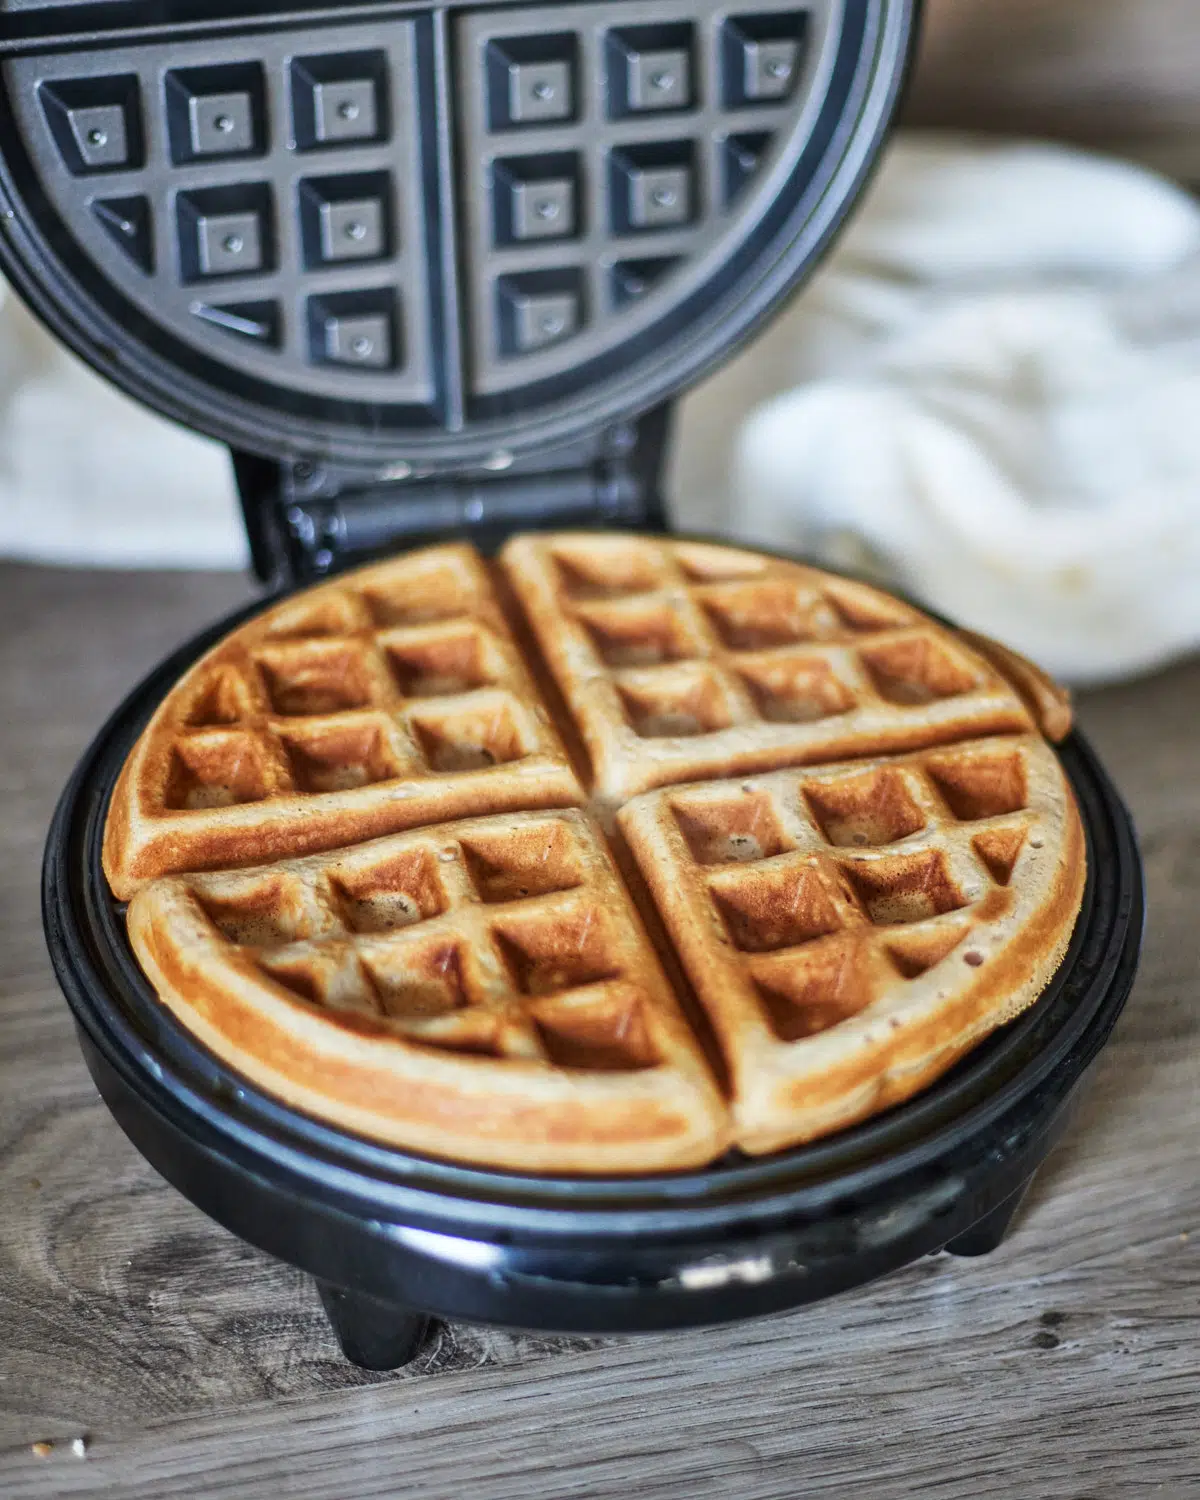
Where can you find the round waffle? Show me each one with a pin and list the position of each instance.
(670, 847)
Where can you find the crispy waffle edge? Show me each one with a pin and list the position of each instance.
(805, 1089)
(362, 1074)
(872, 1079)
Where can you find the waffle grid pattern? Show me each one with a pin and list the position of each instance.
(814, 895)
(679, 660)
(315, 208)
(579, 209)
(260, 195)
(334, 699)
(505, 938)
(848, 925)
(367, 706)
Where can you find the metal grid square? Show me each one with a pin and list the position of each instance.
(361, 339)
(199, 105)
(353, 230)
(100, 135)
(345, 110)
(94, 120)
(284, 109)
(221, 124)
(229, 244)
(659, 80)
(541, 210)
(539, 91)
(633, 204)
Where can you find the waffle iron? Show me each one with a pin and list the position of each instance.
(434, 271)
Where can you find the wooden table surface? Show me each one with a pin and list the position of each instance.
(1065, 1365)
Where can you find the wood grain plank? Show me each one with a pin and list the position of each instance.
(920, 1386)
(1105, 73)
(199, 1367)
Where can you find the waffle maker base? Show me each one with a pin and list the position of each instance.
(393, 1239)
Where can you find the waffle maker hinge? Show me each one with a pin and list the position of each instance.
(306, 519)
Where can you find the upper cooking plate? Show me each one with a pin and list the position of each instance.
(399, 230)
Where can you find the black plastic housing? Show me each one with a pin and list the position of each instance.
(392, 1237)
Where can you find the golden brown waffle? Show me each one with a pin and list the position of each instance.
(681, 660)
(480, 990)
(839, 932)
(389, 699)
(851, 931)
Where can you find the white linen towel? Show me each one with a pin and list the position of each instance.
(88, 476)
(995, 402)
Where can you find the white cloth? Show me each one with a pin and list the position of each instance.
(89, 476)
(994, 400)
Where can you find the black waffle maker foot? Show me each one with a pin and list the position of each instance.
(372, 1334)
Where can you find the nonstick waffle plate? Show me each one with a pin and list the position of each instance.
(387, 227)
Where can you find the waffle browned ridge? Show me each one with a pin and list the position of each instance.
(481, 990)
(384, 700)
(682, 660)
(851, 931)
(361, 872)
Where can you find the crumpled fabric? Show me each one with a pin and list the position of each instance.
(990, 398)
(89, 476)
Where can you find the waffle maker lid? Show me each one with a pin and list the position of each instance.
(423, 268)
